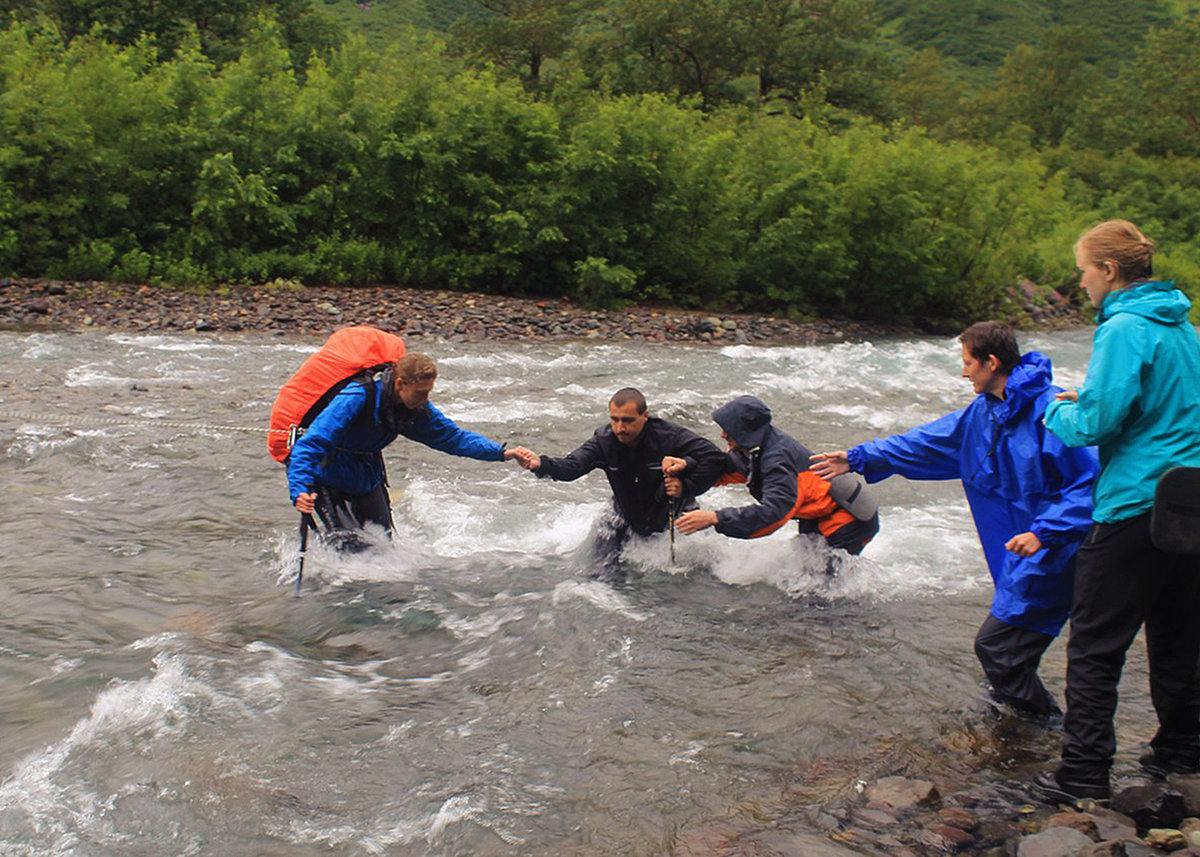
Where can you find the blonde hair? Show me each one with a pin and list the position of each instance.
(1119, 242)
(413, 368)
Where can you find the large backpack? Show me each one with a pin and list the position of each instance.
(348, 354)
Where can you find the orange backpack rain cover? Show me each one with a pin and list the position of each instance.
(346, 353)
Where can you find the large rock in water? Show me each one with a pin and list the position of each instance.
(1150, 806)
(901, 792)
(1055, 842)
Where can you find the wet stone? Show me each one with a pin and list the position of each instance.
(1166, 839)
(1055, 842)
(1081, 821)
(1113, 825)
(1150, 806)
(901, 792)
(963, 819)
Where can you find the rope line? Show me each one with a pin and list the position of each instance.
(131, 421)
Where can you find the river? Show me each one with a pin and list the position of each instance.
(468, 688)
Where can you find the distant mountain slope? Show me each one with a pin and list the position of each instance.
(380, 20)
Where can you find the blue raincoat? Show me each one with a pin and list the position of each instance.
(1018, 478)
(1140, 403)
(342, 448)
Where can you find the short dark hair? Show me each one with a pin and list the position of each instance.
(626, 395)
(986, 338)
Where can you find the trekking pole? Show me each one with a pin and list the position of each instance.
(671, 522)
(305, 522)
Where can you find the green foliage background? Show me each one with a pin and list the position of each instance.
(906, 161)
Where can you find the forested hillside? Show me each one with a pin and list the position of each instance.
(893, 159)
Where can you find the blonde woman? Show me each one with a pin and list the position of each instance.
(1140, 405)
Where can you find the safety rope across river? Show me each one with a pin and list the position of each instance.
(87, 419)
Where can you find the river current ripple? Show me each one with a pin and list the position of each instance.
(467, 688)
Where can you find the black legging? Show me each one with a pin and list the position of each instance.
(344, 515)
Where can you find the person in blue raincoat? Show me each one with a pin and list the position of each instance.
(336, 467)
(1029, 493)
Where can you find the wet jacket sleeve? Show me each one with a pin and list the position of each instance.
(570, 467)
(443, 434)
(931, 451)
(322, 438)
(779, 498)
(1068, 512)
(705, 461)
(1112, 386)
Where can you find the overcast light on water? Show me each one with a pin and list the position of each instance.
(468, 688)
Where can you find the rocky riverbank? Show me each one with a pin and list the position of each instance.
(443, 315)
(906, 817)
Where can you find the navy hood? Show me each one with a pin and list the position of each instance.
(746, 419)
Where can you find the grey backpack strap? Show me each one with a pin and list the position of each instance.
(853, 495)
(1175, 518)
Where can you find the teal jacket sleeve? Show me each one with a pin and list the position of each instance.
(1112, 386)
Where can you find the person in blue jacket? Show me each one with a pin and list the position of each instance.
(1140, 404)
(336, 467)
(1029, 493)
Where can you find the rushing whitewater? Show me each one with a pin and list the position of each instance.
(466, 687)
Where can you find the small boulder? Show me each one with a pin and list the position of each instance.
(1150, 806)
(1166, 839)
(1080, 821)
(1055, 842)
(901, 792)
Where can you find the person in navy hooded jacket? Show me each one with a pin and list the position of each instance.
(1029, 493)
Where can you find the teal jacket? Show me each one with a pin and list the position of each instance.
(1140, 402)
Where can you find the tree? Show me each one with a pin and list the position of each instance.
(521, 35)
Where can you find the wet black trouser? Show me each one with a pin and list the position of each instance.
(344, 515)
(852, 537)
(613, 532)
(1121, 582)
(1010, 656)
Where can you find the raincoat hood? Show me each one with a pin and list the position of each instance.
(1028, 380)
(746, 419)
(1158, 300)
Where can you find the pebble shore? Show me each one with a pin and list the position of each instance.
(442, 315)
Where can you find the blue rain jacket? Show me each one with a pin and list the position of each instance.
(1018, 478)
(1140, 402)
(342, 448)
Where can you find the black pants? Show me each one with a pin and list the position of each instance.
(1121, 582)
(613, 532)
(853, 536)
(1010, 656)
(344, 516)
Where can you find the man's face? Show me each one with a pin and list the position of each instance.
(626, 422)
(414, 394)
(731, 443)
(985, 375)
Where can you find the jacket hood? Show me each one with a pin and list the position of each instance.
(1157, 300)
(1026, 382)
(746, 419)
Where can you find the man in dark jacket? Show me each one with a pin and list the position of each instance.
(1029, 493)
(775, 467)
(631, 449)
(336, 467)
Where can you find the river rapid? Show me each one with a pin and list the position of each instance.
(468, 688)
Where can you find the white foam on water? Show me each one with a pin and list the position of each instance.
(599, 595)
(140, 712)
(507, 411)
